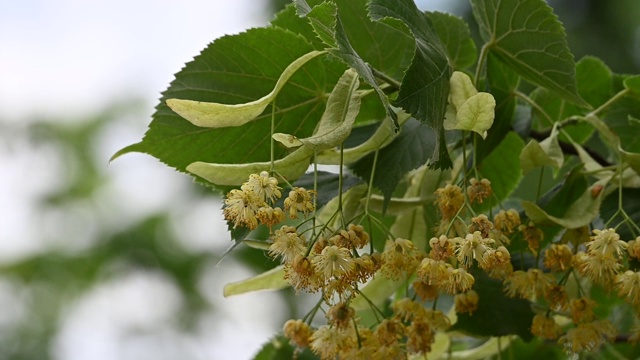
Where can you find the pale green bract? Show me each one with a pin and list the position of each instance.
(468, 109)
(335, 125)
(215, 115)
(544, 153)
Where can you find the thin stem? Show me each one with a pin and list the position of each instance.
(273, 128)
(370, 188)
(481, 60)
(340, 184)
(312, 313)
(373, 306)
(613, 99)
(539, 190)
(388, 79)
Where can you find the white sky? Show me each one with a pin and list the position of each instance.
(65, 59)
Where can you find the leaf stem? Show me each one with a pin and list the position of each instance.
(388, 79)
(609, 102)
(273, 127)
(481, 60)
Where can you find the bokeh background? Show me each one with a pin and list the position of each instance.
(122, 260)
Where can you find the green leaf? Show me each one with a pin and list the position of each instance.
(455, 35)
(334, 127)
(236, 69)
(503, 82)
(269, 280)
(526, 35)
(502, 168)
(632, 83)
(331, 30)
(594, 80)
(497, 315)
(425, 85)
(545, 153)
(408, 151)
(580, 213)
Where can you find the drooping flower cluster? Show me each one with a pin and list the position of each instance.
(411, 329)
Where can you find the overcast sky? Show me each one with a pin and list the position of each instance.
(67, 59)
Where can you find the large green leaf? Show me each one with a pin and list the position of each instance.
(526, 35)
(328, 24)
(497, 315)
(456, 37)
(233, 70)
(502, 83)
(594, 80)
(502, 168)
(425, 85)
(408, 151)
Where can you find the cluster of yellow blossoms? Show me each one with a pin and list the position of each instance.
(254, 201)
(333, 262)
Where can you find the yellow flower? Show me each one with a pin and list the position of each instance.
(341, 315)
(582, 310)
(507, 221)
(442, 248)
(587, 336)
(299, 199)
(466, 303)
(270, 216)
(628, 286)
(606, 242)
(533, 235)
(302, 275)
(333, 261)
(545, 327)
(528, 285)
(498, 263)
(241, 208)
(424, 290)
(434, 272)
(298, 332)
(459, 281)
(389, 331)
(479, 191)
(473, 246)
(558, 257)
(353, 238)
(264, 186)
(438, 320)
(420, 336)
(399, 256)
(449, 200)
(557, 297)
(287, 243)
(599, 267)
(482, 224)
(328, 341)
(633, 248)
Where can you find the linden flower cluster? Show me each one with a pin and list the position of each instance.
(331, 265)
(252, 203)
(411, 329)
(602, 263)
